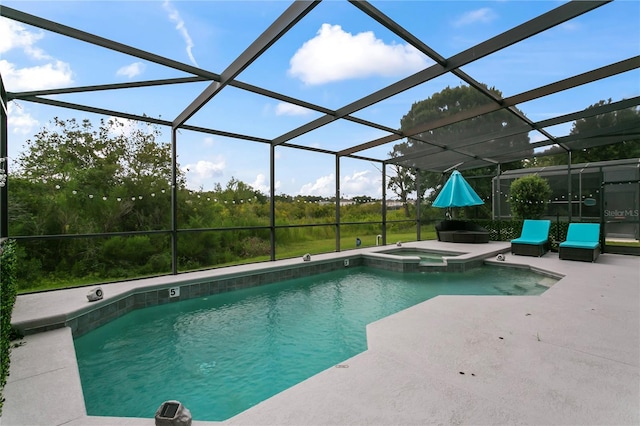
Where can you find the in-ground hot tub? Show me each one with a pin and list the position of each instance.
(426, 256)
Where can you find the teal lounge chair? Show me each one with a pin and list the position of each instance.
(534, 238)
(583, 242)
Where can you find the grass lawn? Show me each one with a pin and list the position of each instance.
(346, 243)
(288, 251)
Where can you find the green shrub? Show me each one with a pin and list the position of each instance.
(528, 197)
(30, 269)
(507, 230)
(501, 230)
(254, 247)
(7, 300)
(158, 263)
(134, 250)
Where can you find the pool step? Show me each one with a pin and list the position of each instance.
(547, 282)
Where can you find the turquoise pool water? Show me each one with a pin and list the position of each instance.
(222, 354)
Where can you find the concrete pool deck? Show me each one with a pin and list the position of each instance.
(569, 356)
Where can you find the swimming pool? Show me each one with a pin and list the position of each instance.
(222, 354)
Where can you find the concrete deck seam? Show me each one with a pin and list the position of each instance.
(72, 420)
(590, 354)
(36, 375)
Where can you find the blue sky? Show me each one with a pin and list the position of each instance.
(335, 56)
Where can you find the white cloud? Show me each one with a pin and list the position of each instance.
(358, 183)
(132, 70)
(174, 16)
(14, 35)
(324, 186)
(334, 54)
(484, 16)
(20, 121)
(47, 76)
(284, 108)
(199, 174)
(209, 169)
(53, 74)
(362, 183)
(261, 184)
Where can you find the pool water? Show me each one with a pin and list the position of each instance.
(219, 355)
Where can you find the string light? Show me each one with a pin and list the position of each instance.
(200, 196)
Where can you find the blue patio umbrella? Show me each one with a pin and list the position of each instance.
(457, 193)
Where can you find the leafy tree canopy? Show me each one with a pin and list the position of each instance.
(69, 165)
(101, 158)
(629, 148)
(449, 102)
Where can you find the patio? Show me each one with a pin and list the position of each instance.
(569, 356)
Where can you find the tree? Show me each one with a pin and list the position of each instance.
(629, 148)
(528, 197)
(362, 199)
(96, 180)
(74, 178)
(402, 183)
(449, 102)
(239, 191)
